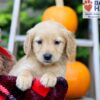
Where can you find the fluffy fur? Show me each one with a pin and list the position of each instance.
(46, 37)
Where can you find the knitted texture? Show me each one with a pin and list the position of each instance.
(56, 93)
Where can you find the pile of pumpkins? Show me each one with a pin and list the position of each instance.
(77, 74)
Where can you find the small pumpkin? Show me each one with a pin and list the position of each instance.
(78, 77)
(62, 14)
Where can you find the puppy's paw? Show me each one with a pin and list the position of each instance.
(24, 83)
(48, 80)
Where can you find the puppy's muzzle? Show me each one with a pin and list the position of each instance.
(47, 57)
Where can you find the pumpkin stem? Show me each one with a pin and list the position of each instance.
(59, 2)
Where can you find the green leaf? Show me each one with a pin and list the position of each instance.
(79, 8)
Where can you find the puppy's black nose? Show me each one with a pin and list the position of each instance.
(47, 56)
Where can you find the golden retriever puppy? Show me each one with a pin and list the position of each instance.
(48, 46)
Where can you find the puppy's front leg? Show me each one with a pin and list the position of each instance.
(24, 80)
(48, 80)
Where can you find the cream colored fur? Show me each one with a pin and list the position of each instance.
(32, 65)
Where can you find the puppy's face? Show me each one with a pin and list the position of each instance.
(48, 46)
(48, 41)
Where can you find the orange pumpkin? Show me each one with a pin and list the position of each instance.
(62, 14)
(78, 77)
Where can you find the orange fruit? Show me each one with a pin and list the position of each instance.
(78, 77)
(62, 14)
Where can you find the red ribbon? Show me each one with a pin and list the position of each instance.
(5, 52)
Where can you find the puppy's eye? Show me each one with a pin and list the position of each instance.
(39, 41)
(57, 42)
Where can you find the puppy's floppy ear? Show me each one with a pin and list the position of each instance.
(70, 45)
(28, 42)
